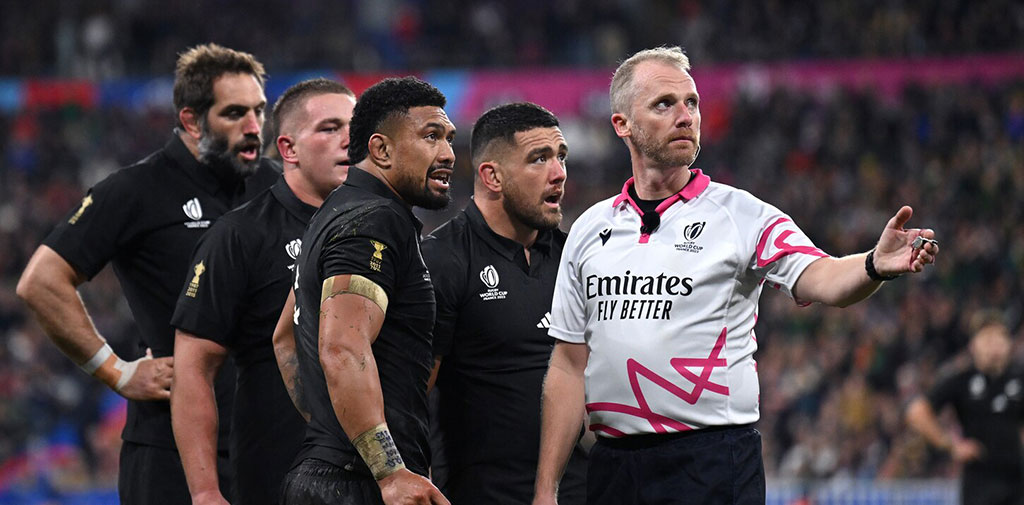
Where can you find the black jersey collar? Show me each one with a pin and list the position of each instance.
(362, 179)
(223, 178)
(507, 247)
(283, 193)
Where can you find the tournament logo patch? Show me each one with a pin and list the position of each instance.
(194, 211)
(378, 255)
(193, 287)
(690, 234)
(489, 276)
(87, 201)
(293, 249)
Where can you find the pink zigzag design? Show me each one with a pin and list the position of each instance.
(643, 410)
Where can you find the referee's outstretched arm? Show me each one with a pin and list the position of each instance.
(850, 279)
(49, 286)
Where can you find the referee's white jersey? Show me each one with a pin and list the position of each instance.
(669, 316)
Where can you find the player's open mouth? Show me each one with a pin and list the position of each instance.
(553, 199)
(249, 153)
(441, 177)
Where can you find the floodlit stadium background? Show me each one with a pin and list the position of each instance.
(836, 111)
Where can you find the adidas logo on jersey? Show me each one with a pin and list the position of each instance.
(545, 322)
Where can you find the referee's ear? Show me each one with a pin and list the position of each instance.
(490, 176)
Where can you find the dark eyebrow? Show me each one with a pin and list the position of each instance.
(540, 151)
(437, 126)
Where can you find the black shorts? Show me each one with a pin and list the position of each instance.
(716, 466)
(317, 482)
(150, 475)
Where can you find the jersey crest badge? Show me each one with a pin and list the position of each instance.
(194, 211)
(87, 201)
(378, 255)
(193, 287)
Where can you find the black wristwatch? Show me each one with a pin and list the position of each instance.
(869, 266)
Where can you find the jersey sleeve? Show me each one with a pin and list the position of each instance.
(216, 285)
(944, 392)
(782, 250)
(568, 307)
(102, 224)
(371, 246)
(448, 275)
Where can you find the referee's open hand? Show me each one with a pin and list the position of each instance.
(895, 253)
(151, 380)
(407, 488)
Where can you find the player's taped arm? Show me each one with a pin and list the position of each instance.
(351, 316)
(49, 288)
(287, 359)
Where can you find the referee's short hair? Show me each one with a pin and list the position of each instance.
(501, 123)
(295, 97)
(382, 102)
(623, 87)
(199, 66)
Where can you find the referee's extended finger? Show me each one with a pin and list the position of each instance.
(902, 216)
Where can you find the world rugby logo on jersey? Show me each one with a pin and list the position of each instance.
(293, 249)
(489, 276)
(194, 211)
(690, 234)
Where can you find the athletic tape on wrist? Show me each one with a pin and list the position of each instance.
(127, 369)
(97, 359)
(379, 451)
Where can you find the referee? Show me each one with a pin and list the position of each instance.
(364, 307)
(145, 220)
(493, 267)
(247, 259)
(655, 305)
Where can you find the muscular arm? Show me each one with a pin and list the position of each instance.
(844, 281)
(49, 288)
(284, 351)
(194, 413)
(561, 416)
(349, 324)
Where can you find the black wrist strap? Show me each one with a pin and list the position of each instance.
(869, 266)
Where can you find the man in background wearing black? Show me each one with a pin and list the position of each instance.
(988, 399)
(493, 267)
(364, 307)
(247, 258)
(145, 220)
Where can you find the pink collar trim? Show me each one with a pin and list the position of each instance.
(694, 187)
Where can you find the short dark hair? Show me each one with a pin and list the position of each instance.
(503, 122)
(199, 66)
(296, 95)
(383, 101)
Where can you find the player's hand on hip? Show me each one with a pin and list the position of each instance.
(902, 250)
(150, 378)
(966, 449)
(407, 488)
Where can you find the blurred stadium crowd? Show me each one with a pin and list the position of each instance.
(833, 381)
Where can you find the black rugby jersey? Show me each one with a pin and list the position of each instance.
(991, 411)
(247, 259)
(145, 220)
(363, 228)
(492, 331)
